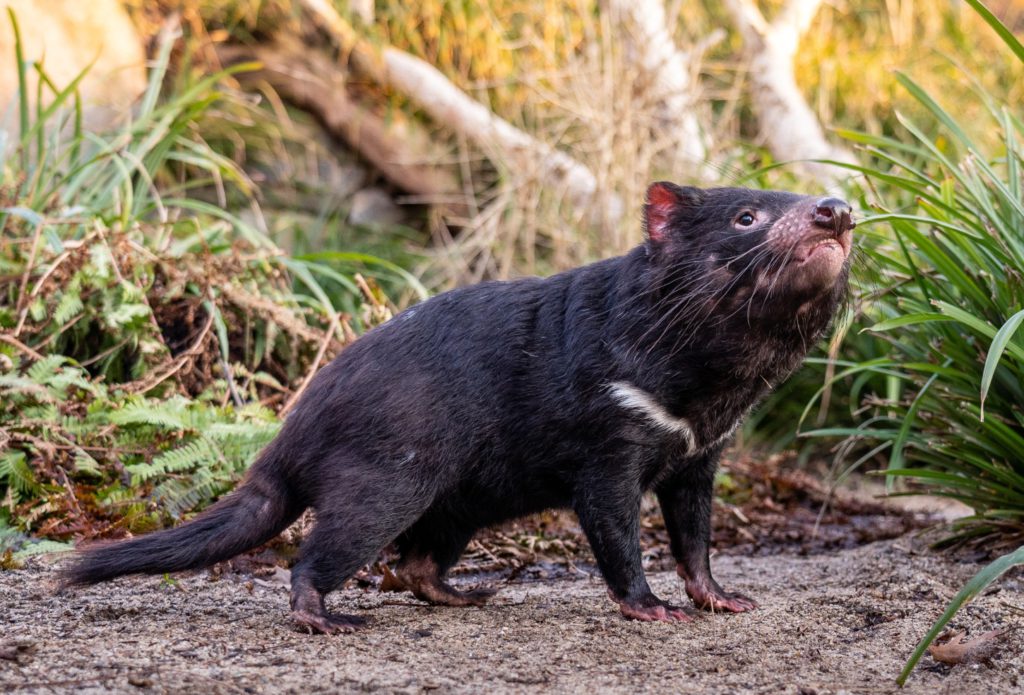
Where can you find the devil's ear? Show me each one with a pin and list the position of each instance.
(664, 200)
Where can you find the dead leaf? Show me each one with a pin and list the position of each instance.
(281, 578)
(390, 582)
(956, 650)
(20, 652)
(7, 561)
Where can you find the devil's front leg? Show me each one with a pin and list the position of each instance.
(608, 505)
(685, 499)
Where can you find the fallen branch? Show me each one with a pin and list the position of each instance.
(280, 315)
(11, 340)
(313, 83)
(431, 91)
(788, 125)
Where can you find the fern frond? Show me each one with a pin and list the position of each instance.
(84, 463)
(45, 369)
(16, 474)
(15, 384)
(69, 306)
(170, 414)
(182, 458)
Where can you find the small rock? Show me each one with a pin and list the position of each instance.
(373, 206)
(20, 651)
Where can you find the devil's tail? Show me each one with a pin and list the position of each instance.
(258, 510)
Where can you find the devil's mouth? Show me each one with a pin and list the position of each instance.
(807, 250)
(822, 245)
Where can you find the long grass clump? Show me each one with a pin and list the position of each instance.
(148, 335)
(945, 395)
(942, 393)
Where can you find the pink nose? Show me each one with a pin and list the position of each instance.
(834, 215)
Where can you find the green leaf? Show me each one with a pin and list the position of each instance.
(1004, 33)
(27, 214)
(896, 456)
(980, 326)
(43, 547)
(922, 96)
(995, 353)
(906, 320)
(975, 586)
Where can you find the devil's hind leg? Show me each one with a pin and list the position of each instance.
(355, 519)
(428, 550)
(323, 565)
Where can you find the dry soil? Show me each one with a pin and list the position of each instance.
(828, 623)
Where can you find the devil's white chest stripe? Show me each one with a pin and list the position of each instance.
(638, 400)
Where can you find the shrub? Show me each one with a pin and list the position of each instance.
(946, 253)
(147, 335)
(946, 283)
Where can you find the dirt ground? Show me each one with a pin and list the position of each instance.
(828, 623)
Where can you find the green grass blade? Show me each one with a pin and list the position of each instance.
(909, 419)
(19, 54)
(353, 257)
(976, 585)
(980, 326)
(58, 102)
(995, 353)
(1004, 32)
(906, 320)
(933, 106)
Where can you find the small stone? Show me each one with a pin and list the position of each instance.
(373, 206)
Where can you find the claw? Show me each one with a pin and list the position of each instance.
(708, 595)
(730, 602)
(327, 623)
(650, 608)
(422, 577)
(713, 598)
(664, 614)
(443, 594)
(310, 614)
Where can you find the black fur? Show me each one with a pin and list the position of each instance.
(494, 401)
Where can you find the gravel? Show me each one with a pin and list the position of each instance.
(828, 623)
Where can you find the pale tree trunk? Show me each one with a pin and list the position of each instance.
(449, 106)
(668, 71)
(362, 9)
(789, 126)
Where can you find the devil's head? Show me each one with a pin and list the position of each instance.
(768, 255)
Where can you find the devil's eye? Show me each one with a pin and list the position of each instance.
(747, 219)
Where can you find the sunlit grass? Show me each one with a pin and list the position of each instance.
(149, 325)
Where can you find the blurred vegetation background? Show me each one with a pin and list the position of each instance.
(173, 271)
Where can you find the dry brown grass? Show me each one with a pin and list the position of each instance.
(563, 72)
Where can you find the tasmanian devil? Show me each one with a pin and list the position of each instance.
(582, 390)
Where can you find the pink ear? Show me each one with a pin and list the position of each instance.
(661, 200)
(664, 199)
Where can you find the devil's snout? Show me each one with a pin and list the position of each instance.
(834, 215)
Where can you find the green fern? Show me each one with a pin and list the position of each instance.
(69, 305)
(45, 369)
(177, 454)
(110, 428)
(170, 414)
(182, 458)
(86, 464)
(17, 476)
